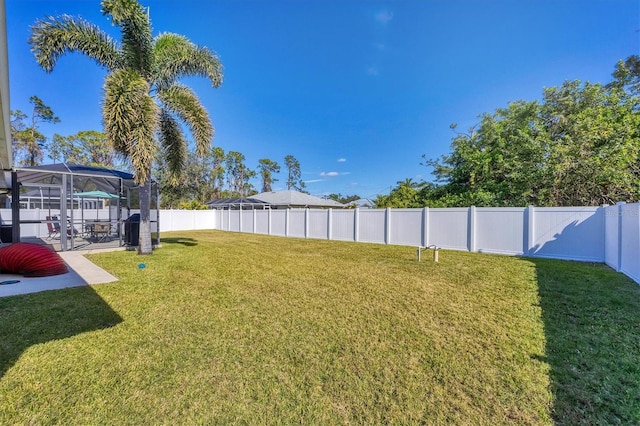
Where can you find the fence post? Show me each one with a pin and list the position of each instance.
(387, 226)
(356, 224)
(269, 222)
(530, 230)
(472, 229)
(286, 223)
(620, 231)
(425, 227)
(329, 223)
(240, 219)
(604, 232)
(254, 220)
(37, 217)
(306, 222)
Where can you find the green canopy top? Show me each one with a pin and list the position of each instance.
(95, 194)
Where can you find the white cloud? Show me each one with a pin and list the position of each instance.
(342, 160)
(373, 71)
(313, 180)
(345, 173)
(329, 174)
(384, 17)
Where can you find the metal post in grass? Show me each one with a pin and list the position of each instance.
(435, 252)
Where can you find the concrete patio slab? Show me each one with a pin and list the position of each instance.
(81, 272)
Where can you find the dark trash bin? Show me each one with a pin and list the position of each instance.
(6, 233)
(132, 230)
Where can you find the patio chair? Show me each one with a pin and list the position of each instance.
(53, 232)
(71, 231)
(102, 231)
(56, 225)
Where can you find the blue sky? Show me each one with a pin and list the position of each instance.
(358, 90)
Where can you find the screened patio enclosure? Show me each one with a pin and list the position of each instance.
(78, 205)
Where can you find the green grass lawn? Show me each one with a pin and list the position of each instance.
(225, 328)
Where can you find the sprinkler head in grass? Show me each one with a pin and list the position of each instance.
(141, 266)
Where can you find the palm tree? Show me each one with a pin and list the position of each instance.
(143, 100)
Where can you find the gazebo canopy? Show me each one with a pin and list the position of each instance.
(89, 178)
(236, 203)
(95, 194)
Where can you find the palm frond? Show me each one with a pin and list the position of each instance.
(183, 102)
(130, 120)
(178, 57)
(54, 36)
(174, 145)
(137, 42)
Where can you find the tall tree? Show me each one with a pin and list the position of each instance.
(238, 174)
(267, 168)
(143, 100)
(27, 141)
(194, 187)
(294, 180)
(87, 147)
(218, 158)
(579, 146)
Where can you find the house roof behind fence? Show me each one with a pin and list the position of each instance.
(295, 199)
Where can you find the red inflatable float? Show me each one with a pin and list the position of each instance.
(31, 260)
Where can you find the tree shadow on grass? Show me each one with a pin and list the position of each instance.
(180, 240)
(592, 329)
(35, 318)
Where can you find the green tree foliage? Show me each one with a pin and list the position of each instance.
(87, 147)
(143, 101)
(578, 145)
(239, 175)
(294, 175)
(27, 141)
(218, 158)
(344, 199)
(267, 168)
(195, 186)
(407, 194)
(192, 205)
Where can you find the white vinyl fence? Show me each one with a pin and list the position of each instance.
(622, 239)
(609, 234)
(574, 233)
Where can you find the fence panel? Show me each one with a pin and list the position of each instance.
(247, 221)
(223, 224)
(234, 220)
(573, 233)
(500, 230)
(318, 226)
(372, 226)
(279, 222)
(449, 228)
(343, 225)
(176, 220)
(406, 226)
(630, 239)
(262, 222)
(611, 236)
(297, 223)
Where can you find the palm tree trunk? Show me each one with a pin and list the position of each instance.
(144, 245)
